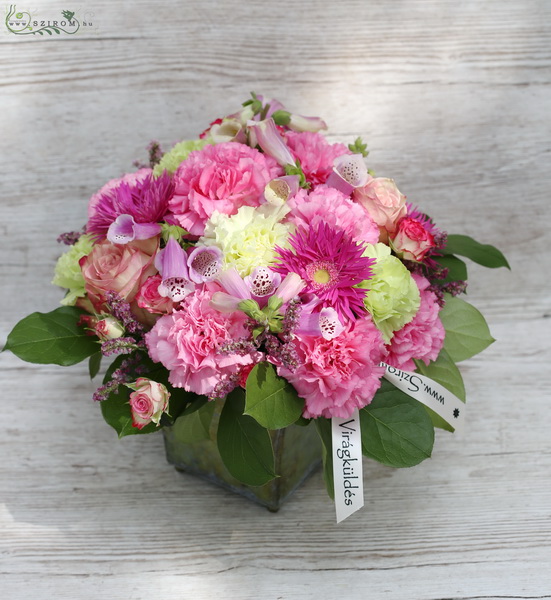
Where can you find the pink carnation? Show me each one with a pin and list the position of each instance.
(330, 206)
(336, 376)
(186, 342)
(220, 178)
(315, 153)
(423, 337)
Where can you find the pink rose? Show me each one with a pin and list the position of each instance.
(108, 329)
(149, 298)
(220, 178)
(120, 268)
(383, 201)
(412, 241)
(148, 402)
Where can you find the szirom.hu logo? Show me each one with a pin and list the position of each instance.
(23, 23)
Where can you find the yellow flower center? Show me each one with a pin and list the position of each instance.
(321, 276)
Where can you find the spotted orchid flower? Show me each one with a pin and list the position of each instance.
(325, 323)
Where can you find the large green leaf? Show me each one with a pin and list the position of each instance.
(444, 371)
(483, 254)
(194, 427)
(52, 338)
(324, 430)
(457, 269)
(271, 400)
(467, 332)
(94, 364)
(396, 429)
(245, 446)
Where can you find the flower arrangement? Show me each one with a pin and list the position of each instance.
(264, 267)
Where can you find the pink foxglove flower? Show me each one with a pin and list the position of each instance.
(349, 173)
(124, 229)
(171, 262)
(265, 134)
(204, 263)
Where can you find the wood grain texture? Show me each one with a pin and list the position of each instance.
(453, 99)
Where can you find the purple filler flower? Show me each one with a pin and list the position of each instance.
(146, 201)
(331, 264)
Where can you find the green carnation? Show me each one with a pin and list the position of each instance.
(393, 298)
(67, 270)
(172, 159)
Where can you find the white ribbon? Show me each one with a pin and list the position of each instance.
(347, 465)
(430, 393)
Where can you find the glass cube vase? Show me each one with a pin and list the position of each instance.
(297, 452)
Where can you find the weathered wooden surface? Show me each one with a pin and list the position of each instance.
(454, 100)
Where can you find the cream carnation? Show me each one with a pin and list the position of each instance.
(249, 237)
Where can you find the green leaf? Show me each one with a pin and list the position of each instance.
(467, 332)
(271, 399)
(483, 254)
(94, 364)
(396, 429)
(358, 147)
(194, 427)
(444, 371)
(116, 412)
(52, 338)
(457, 269)
(194, 405)
(324, 430)
(245, 446)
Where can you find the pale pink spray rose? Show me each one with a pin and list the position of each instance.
(411, 241)
(108, 328)
(383, 201)
(149, 298)
(120, 268)
(148, 402)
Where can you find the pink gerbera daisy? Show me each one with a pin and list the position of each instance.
(331, 264)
